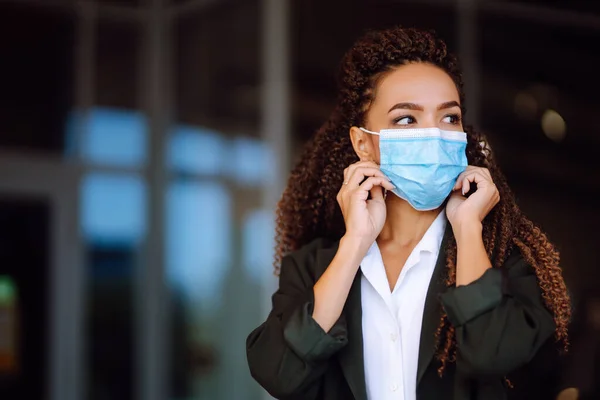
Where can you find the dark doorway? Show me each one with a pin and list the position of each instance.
(25, 262)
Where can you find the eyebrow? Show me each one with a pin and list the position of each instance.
(448, 104)
(418, 107)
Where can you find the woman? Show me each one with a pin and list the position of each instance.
(374, 284)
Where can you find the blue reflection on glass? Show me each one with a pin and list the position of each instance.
(258, 232)
(250, 162)
(109, 136)
(113, 208)
(196, 150)
(199, 244)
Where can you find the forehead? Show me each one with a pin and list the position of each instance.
(416, 83)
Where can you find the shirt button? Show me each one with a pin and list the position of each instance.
(393, 336)
(394, 387)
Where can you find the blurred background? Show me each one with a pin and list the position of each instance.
(145, 143)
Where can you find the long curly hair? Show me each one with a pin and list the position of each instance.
(308, 208)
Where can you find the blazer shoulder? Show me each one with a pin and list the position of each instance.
(516, 265)
(313, 254)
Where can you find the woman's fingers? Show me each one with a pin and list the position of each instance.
(472, 175)
(363, 190)
(377, 193)
(360, 173)
(364, 216)
(350, 171)
(364, 178)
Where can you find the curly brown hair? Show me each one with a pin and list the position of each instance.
(308, 208)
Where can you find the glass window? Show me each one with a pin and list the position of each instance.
(249, 162)
(199, 242)
(113, 218)
(117, 50)
(110, 323)
(258, 234)
(217, 66)
(36, 76)
(217, 88)
(195, 150)
(111, 136)
(199, 248)
(113, 205)
(113, 208)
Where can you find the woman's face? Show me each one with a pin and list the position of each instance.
(416, 95)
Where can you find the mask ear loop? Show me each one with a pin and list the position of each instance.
(378, 134)
(371, 132)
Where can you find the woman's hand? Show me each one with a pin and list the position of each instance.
(364, 220)
(462, 211)
(364, 217)
(466, 216)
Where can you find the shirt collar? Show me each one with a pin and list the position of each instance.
(432, 240)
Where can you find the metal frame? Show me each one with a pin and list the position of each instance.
(275, 107)
(152, 304)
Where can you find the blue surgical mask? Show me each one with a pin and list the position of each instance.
(423, 164)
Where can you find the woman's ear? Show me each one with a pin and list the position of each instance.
(362, 142)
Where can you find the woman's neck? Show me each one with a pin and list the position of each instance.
(405, 226)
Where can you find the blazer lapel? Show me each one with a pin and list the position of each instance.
(350, 357)
(432, 311)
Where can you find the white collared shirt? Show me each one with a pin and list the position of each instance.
(391, 321)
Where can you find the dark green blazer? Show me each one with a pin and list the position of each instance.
(500, 323)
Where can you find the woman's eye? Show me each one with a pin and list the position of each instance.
(406, 120)
(453, 119)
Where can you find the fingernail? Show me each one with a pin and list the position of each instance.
(463, 192)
